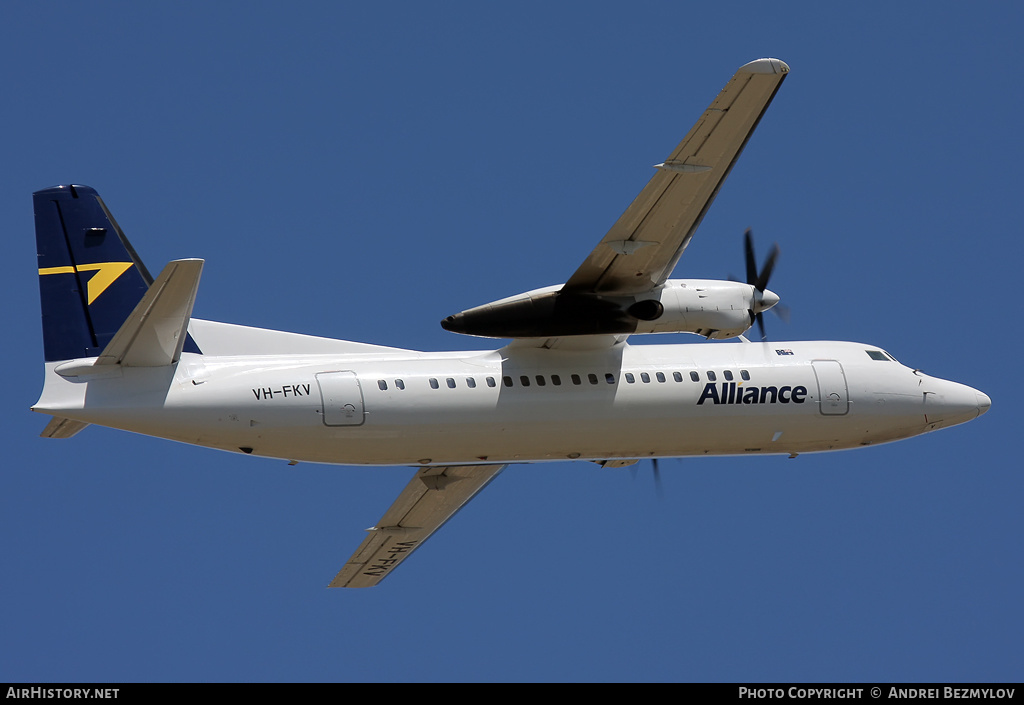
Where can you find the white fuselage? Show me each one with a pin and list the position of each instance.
(521, 404)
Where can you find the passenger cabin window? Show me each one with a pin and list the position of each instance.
(450, 382)
(382, 385)
(507, 381)
(645, 378)
(400, 384)
(609, 378)
(695, 377)
(744, 374)
(524, 380)
(471, 382)
(630, 378)
(592, 377)
(491, 382)
(711, 376)
(556, 380)
(677, 376)
(728, 375)
(433, 383)
(576, 379)
(541, 381)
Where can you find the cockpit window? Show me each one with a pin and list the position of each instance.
(878, 355)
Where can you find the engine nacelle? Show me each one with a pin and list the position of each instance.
(713, 309)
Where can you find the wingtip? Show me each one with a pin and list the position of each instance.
(766, 66)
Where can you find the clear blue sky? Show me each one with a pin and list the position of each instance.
(362, 172)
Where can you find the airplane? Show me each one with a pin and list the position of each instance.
(122, 350)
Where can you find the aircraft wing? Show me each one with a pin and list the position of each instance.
(431, 498)
(642, 248)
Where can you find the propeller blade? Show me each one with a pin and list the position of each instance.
(748, 256)
(657, 479)
(782, 311)
(766, 271)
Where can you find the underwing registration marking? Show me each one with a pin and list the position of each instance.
(287, 390)
(383, 564)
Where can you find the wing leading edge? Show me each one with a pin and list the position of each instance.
(431, 498)
(643, 247)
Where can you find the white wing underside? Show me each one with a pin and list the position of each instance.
(643, 247)
(431, 498)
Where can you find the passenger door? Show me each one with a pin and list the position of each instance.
(342, 398)
(833, 395)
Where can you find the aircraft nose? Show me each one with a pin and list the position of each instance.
(951, 403)
(983, 402)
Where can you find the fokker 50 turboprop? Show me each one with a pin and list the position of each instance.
(122, 350)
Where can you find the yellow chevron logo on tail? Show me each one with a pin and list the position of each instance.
(106, 274)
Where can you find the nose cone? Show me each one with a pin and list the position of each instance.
(983, 402)
(951, 403)
(767, 299)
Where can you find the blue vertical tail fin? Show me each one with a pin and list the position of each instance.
(90, 277)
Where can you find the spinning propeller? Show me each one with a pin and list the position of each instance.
(657, 479)
(763, 298)
(658, 489)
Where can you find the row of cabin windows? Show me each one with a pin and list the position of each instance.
(556, 380)
(382, 384)
(678, 377)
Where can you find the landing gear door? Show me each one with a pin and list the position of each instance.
(342, 398)
(833, 396)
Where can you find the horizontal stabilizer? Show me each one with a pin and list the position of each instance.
(60, 427)
(154, 333)
(431, 498)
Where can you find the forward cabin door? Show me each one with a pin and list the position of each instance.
(342, 398)
(833, 396)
